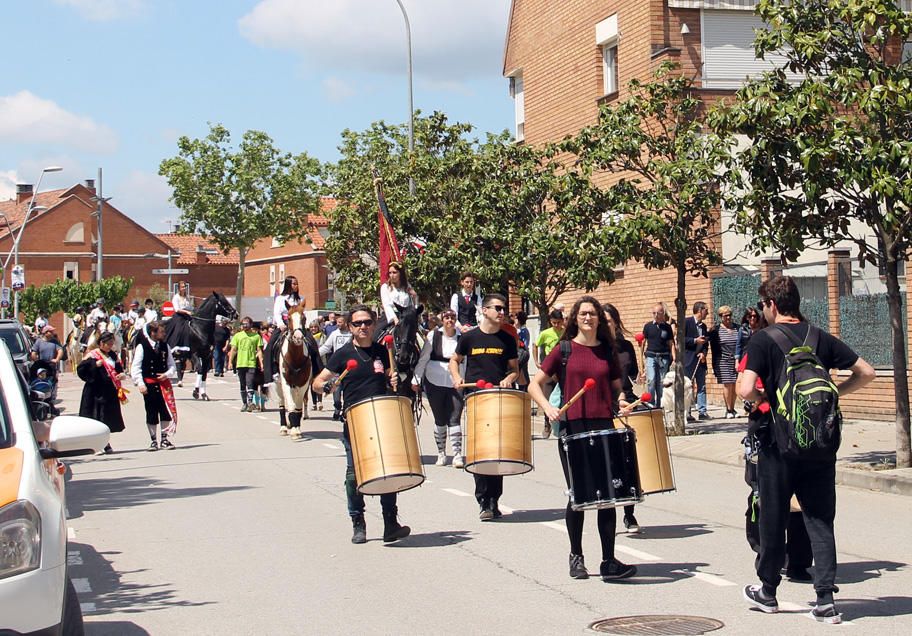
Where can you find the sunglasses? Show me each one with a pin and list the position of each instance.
(498, 308)
(587, 313)
(362, 323)
(760, 305)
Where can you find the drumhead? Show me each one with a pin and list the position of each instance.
(499, 391)
(607, 431)
(494, 467)
(391, 483)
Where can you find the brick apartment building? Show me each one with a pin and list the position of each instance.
(565, 60)
(60, 241)
(270, 261)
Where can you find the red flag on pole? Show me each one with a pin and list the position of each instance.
(389, 247)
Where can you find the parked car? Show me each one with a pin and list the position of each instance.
(36, 594)
(19, 342)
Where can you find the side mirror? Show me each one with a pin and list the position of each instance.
(72, 435)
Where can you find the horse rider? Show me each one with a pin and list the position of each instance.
(98, 314)
(395, 292)
(178, 328)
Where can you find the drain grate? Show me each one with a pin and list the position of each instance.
(668, 624)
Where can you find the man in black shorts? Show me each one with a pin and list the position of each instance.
(813, 480)
(369, 379)
(491, 355)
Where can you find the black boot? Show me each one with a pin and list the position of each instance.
(360, 529)
(392, 531)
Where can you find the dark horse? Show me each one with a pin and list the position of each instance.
(202, 330)
(405, 348)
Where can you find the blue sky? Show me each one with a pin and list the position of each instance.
(114, 83)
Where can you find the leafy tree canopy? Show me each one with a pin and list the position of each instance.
(67, 294)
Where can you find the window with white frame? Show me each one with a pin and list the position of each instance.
(276, 242)
(76, 233)
(71, 270)
(517, 92)
(272, 274)
(606, 38)
(282, 272)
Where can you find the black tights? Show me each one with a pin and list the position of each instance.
(607, 522)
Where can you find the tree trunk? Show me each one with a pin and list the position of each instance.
(680, 417)
(239, 288)
(900, 364)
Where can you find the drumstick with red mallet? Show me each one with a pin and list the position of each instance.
(641, 342)
(481, 384)
(645, 398)
(388, 341)
(349, 366)
(587, 385)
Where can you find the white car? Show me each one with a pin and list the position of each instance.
(36, 595)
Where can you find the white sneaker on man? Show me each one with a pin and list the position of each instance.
(441, 459)
(458, 461)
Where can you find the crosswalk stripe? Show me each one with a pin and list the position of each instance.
(712, 579)
(639, 554)
(71, 534)
(81, 586)
(458, 493)
(87, 607)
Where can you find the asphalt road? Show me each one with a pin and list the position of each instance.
(242, 531)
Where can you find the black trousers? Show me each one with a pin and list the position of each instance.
(246, 382)
(814, 483)
(488, 489)
(446, 404)
(156, 410)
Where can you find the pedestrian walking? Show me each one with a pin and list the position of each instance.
(696, 344)
(466, 303)
(784, 468)
(370, 378)
(102, 393)
(587, 354)
(545, 342)
(723, 339)
(246, 352)
(659, 340)
(220, 337)
(433, 375)
(152, 370)
(490, 355)
(333, 342)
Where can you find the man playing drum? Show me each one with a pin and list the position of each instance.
(592, 358)
(491, 355)
(371, 377)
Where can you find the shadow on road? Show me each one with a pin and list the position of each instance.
(658, 573)
(872, 457)
(333, 435)
(110, 593)
(114, 628)
(126, 492)
(432, 539)
(682, 531)
(858, 571)
(855, 608)
(534, 516)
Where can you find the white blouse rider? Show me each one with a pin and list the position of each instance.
(392, 296)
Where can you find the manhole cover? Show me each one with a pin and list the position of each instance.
(671, 625)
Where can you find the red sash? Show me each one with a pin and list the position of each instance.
(112, 374)
(167, 392)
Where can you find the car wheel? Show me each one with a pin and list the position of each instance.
(72, 612)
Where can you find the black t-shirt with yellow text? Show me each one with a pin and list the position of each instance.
(487, 355)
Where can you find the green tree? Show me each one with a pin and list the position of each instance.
(667, 197)
(445, 170)
(67, 294)
(536, 225)
(833, 148)
(237, 196)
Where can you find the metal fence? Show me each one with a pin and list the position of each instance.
(865, 326)
(740, 292)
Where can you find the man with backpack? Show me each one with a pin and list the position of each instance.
(797, 454)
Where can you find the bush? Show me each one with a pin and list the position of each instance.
(67, 294)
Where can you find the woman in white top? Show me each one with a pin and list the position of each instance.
(396, 291)
(288, 298)
(446, 403)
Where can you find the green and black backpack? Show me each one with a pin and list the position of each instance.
(807, 421)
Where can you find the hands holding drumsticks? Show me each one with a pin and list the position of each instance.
(330, 385)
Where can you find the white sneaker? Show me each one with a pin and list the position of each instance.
(441, 459)
(283, 430)
(458, 461)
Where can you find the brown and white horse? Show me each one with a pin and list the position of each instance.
(295, 369)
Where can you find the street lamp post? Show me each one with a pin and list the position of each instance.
(15, 252)
(411, 126)
(9, 230)
(100, 200)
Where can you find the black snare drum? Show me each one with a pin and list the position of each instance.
(603, 469)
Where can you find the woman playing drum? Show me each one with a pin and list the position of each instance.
(593, 356)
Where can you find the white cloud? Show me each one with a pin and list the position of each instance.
(105, 10)
(143, 196)
(451, 39)
(337, 90)
(27, 118)
(8, 181)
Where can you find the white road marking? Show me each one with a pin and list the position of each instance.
(71, 534)
(263, 417)
(332, 446)
(712, 579)
(81, 586)
(555, 526)
(506, 509)
(74, 557)
(87, 607)
(643, 556)
(458, 493)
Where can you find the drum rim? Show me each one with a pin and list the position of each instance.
(374, 398)
(499, 391)
(617, 430)
(615, 503)
(386, 477)
(528, 465)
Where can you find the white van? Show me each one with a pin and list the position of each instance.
(36, 595)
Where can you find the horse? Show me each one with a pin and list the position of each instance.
(94, 334)
(202, 330)
(405, 349)
(295, 369)
(71, 344)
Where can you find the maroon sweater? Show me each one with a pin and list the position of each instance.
(585, 362)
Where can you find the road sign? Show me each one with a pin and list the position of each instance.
(180, 270)
(167, 309)
(17, 276)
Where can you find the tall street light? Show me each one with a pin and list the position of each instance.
(9, 230)
(28, 213)
(411, 128)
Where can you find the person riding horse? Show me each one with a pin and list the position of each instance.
(178, 328)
